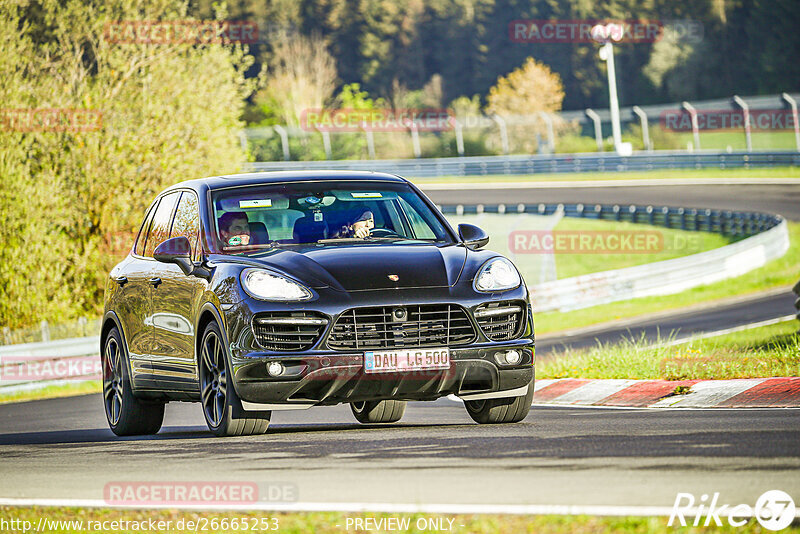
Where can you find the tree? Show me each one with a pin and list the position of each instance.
(531, 88)
(302, 76)
(169, 113)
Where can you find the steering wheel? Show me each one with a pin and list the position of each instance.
(383, 232)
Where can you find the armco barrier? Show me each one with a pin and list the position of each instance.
(797, 300)
(539, 164)
(48, 362)
(765, 237)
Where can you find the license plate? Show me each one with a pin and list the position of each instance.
(406, 360)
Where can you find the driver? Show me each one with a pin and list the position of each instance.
(234, 228)
(359, 228)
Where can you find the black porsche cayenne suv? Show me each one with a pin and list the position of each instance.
(277, 291)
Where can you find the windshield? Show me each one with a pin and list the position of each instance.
(264, 216)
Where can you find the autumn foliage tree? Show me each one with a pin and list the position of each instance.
(72, 199)
(531, 88)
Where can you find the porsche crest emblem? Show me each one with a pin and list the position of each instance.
(393, 277)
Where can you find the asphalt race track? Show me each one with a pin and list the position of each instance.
(677, 325)
(61, 448)
(781, 199)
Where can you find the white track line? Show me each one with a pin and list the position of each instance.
(361, 507)
(716, 333)
(677, 182)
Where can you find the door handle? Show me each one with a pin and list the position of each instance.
(122, 280)
(155, 281)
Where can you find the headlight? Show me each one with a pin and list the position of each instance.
(497, 274)
(264, 285)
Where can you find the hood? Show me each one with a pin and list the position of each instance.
(368, 266)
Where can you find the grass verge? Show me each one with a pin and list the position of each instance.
(782, 272)
(329, 522)
(666, 174)
(52, 391)
(531, 259)
(763, 352)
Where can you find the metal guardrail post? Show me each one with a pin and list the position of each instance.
(370, 140)
(551, 136)
(793, 105)
(695, 126)
(598, 129)
(501, 123)
(415, 139)
(459, 128)
(326, 142)
(284, 141)
(648, 144)
(45, 327)
(737, 100)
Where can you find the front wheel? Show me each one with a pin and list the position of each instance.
(126, 415)
(506, 410)
(385, 411)
(222, 408)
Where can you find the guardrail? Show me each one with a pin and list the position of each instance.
(49, 362)
(797, 300)
(540, 164)
(765, 237)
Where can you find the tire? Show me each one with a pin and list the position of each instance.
(385, 411)
(507, 410)
(222, 407)
(126, 414)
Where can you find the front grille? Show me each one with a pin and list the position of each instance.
(501, 321)
(288, 331)
(401, 326)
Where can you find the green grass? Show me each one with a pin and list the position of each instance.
(782, 272)
(336, 522)
(757, 353)
(670, 244)
(54, 391)
(676, 243)
(667, 174)
(762, 140)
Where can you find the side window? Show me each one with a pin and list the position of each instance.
(187, 222)
(159, 230)
(421, 229)
(142, 237)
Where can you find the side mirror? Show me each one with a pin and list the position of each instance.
(472, 236)
(178, 251)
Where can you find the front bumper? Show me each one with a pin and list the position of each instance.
(326, 379)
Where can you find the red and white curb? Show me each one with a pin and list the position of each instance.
(740, 393)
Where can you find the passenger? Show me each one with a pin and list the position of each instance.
(234, 228)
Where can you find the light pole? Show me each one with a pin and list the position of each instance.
(605, 35)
